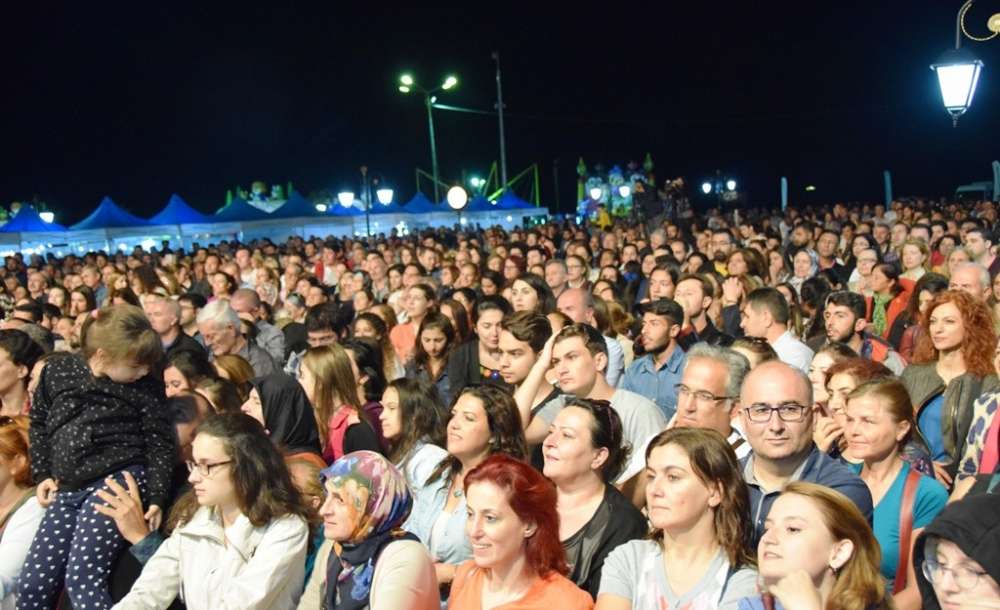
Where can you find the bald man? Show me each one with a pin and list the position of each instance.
(776, 415)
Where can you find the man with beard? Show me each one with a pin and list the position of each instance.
(722, 246)
(694, 294)
(844, 319)
(656, 373)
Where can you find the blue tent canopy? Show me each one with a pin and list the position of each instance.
(109, 216)
(239, 210)
(178, 212)
(421, 205)
(27, 220)
(510, 201)
(295, 207)
(339, 210)
(480, 204)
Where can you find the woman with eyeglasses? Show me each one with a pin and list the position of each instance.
(817, 553)
(879, 424)
(20, 512)
(583, 454)
(698, 556)
(243, 544)
(957, 557)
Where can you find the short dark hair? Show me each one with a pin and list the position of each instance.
(592, 338)
(196, 300)
(852, 300)
(772, 300)
(33, 309)
(985, 234)
(528, 326)
(322, 317)
(489, 303)
(666, 308)
(21, 348)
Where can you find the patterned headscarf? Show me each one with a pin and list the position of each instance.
(379, 501)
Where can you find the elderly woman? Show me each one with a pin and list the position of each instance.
(20, 512)
(583, 455)
(805, 264)
(517, 562)
(368, 560)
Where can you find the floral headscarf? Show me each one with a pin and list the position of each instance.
(379, 501)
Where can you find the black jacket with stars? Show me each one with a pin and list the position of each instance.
(84, 428)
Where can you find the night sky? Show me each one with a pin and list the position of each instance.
(138, 102)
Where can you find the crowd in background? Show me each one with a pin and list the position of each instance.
(739, 409)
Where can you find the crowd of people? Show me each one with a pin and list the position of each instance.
(743, 410)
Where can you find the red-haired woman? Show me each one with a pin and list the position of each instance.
(518, 561)
(20, 512)
(951, 368)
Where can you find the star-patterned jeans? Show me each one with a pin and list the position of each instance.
(76, 546)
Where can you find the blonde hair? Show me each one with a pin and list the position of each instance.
(335, 384)
(123, 333)
(859, 583)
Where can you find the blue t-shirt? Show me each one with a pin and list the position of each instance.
(929, 500)
(929, 423)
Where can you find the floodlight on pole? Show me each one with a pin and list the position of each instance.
(408, 84)
(48, 217)
(321, 208)
(730, 185)
(624, 191)
(596, 193)
(404, 89)
(406, 80)
(457, 198)
(384, 196)
(346, 198)
(706, 187)
(449, 82)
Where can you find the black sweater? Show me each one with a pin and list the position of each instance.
(84, 428)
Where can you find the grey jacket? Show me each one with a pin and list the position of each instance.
(923, 383)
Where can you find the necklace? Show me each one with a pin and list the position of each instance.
(458, 493)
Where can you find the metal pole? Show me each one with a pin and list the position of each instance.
(366, 197)
(434, 154)
(503, 143)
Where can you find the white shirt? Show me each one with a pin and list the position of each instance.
(14, 546)
(793, 352)
(241, 567)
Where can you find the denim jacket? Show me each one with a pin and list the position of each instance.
(428, 503)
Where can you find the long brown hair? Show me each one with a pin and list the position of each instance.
(980, 338)
(859, 583)
(714, 463)
(335, 385)
(506, 432)
(263, 485)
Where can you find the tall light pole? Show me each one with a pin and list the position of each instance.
(503, 142)
(958, 69)
(408, 84)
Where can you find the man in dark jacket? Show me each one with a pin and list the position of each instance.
(957, 557)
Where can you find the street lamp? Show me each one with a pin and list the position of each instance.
(321, 208)
(706, 187)
(384, 195)
(408, 84)
(624, 191)
(730, 185)
(958, 70)
(595, 193)
(346, 198)
(457, 199)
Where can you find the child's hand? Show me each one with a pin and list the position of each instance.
(46, 492)
(153, 517)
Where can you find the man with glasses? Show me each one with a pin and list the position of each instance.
(721, 246)
(776, 415)
(707, 397)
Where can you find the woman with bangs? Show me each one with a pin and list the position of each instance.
(698, 555)
(952, 367)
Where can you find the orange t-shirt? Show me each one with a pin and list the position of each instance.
(551, 591)
(404, 339)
